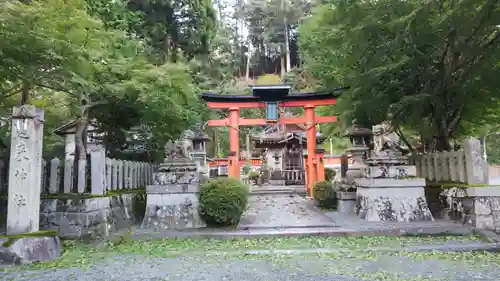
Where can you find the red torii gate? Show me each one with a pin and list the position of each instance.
(271, 98)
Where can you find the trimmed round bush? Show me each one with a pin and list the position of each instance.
(324, 194)
(223, 201)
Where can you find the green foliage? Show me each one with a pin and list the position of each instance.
(57, 56)
(223, 201)
(268, 79)
(246, 168)
(329, 175)
(254, 175)
(324, 194)
(427, 65)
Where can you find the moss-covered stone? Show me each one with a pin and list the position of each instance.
(454, 184)
(13, 237)
(88, 196)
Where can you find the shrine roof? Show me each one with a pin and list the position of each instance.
(69, 128)
(273, 93)
(283, 137)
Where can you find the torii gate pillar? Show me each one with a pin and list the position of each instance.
(311, 147)
(234, 143)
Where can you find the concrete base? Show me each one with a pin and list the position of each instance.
(405, 202)
(29, 249)
(172, 207)
(346, 206)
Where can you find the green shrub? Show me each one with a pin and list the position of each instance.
(223, 201)
(246, 169)
(253, 176)
(324, 194)
(330, 175)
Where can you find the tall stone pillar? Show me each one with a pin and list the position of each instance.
(25, 170)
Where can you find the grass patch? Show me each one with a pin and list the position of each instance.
(80, 255)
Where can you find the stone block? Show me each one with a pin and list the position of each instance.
(163, 189)
(483, 222)
(343, 195)
(483, 191)
(496, 221)
(172, 211)
(93, 217)
(30, 249)
(495, 204)
(400, 171)
(482, 206)
(346, 206)
(93, 204)
(69, 231)
(389, 183)
(97, 217)
(392, 204)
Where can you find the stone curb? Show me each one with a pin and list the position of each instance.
(472, 247)
(303, 232)
(243, 227)
(270, 192)
(488, 235)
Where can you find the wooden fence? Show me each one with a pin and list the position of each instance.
(462, 166)
(102, 175)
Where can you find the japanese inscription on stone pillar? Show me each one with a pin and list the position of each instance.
(475, 166)
(25, 170)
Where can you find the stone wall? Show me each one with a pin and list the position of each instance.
(92, 218)
(477, 206)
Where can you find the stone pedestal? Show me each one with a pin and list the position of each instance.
(25, 170)
(387, 199)
(172, 200)
(172, 207)
(346, 201)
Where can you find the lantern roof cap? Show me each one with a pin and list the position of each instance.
(358, 131)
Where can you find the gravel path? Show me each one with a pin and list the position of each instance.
(265, 268)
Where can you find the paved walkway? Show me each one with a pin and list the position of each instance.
(282, 211)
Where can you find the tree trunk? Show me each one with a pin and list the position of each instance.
(282, 63)
(80, 161)
(25, 94)
(442, 143)
(287, 50)
(247, 70)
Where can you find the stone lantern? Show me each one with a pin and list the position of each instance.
(199, 153)
(346, 192)
(360, 138)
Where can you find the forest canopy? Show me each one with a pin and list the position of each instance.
(136, 67)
